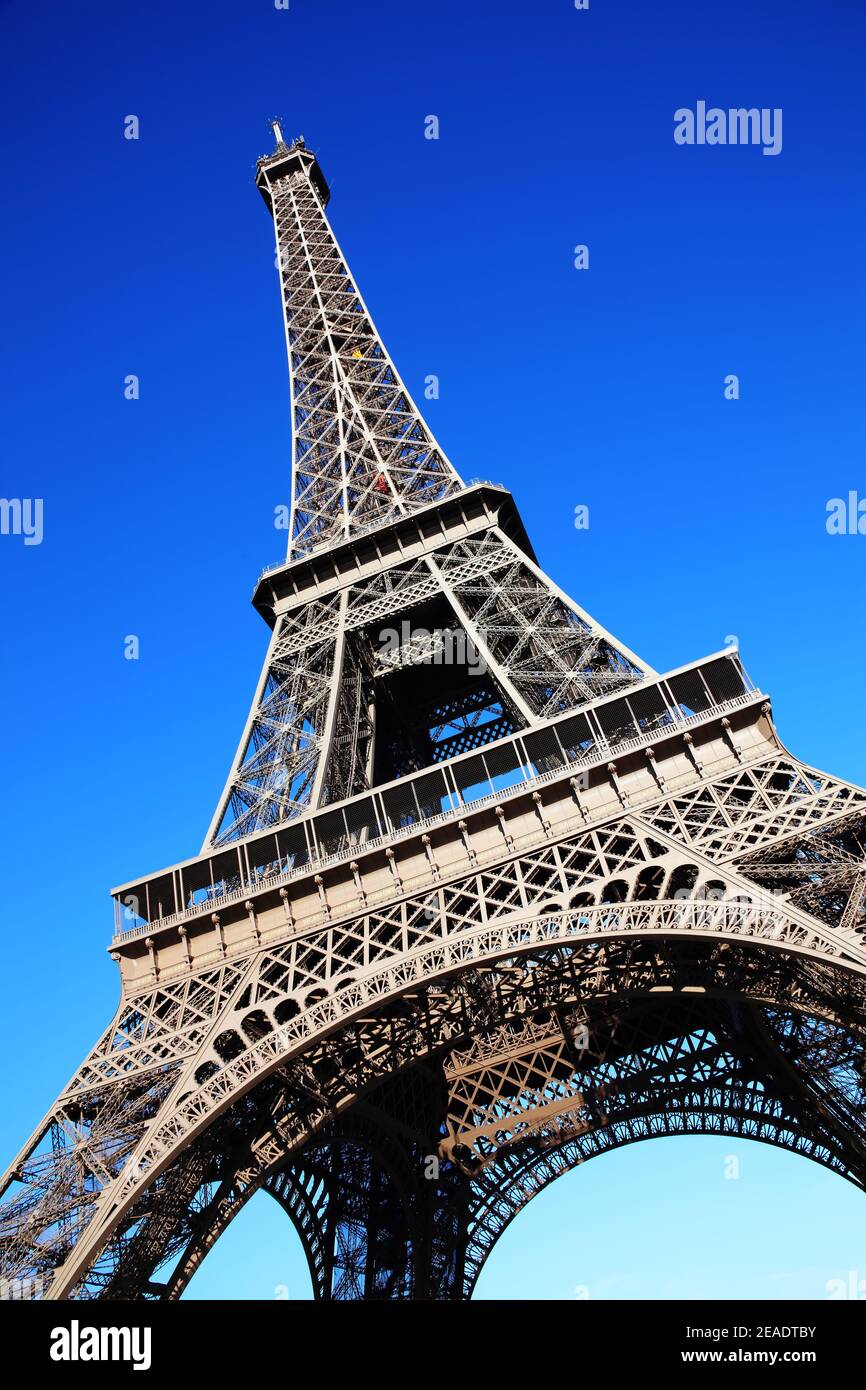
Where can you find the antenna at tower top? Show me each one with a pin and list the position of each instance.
(278, 133)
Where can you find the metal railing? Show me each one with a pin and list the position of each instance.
(366, 527)
(602, 752)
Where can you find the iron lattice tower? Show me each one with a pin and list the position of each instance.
(484, 895)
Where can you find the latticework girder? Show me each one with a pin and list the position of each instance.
(309, 735)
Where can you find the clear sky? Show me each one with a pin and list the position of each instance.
(602, 387)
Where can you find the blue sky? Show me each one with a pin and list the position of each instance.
(602, 387)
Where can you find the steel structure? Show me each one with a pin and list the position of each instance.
(484, 895)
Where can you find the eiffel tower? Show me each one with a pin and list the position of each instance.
(485, 895)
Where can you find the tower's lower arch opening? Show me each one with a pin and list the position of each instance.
(259, 1255)
(386, 1208)
(714, 1217)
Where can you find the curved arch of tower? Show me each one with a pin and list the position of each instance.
(484, 896)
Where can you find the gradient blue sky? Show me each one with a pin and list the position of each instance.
(707, 516)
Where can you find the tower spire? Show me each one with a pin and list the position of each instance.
(362, 450)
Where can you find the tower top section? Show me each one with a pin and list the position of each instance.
(286, 160)
(362, 454)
